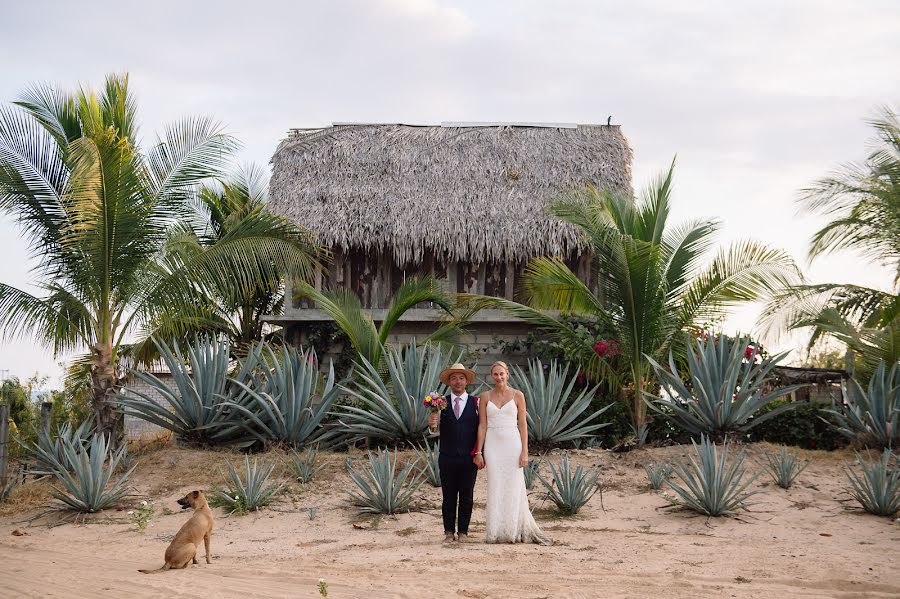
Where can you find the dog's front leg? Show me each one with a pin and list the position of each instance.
(206, 543)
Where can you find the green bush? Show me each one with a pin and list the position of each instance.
(801, 427)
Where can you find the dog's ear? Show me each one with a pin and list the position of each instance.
(195, 494)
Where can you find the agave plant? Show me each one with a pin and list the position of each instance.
(392, 411)
(304, 466)
(197, 409)
(89, 486)
(873, 418)
(570, 490)
(878, 489)
(726, 390)
(253, 491)
(658, 473)
(286, 404)
(428, 457)
(784, 467)
(553, 417)
(381, 488)
(712, 486)
(46, 446)
(531, 471)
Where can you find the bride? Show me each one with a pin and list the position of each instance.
(502, 450)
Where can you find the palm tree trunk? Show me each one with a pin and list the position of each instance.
(104, 383)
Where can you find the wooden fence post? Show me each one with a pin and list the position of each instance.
(46, 413)
(4, 443)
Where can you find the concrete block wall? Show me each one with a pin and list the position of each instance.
(135, 428)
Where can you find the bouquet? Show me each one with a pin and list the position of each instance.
(435, 402)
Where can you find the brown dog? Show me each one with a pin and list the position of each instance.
(183, 548)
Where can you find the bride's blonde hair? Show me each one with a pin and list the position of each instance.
(501, 364)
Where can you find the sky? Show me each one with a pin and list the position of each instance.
(757, 99)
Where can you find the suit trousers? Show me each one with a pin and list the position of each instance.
(458, 487)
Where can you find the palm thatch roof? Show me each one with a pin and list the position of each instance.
(474, 193)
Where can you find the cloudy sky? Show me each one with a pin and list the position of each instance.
(757, 99)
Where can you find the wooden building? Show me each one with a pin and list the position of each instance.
(464, 202)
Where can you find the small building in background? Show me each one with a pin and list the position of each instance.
(464, 202)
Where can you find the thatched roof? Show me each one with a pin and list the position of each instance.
(470, 192)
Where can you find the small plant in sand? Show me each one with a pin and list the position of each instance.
(784, 467)
(878, 488)
(312, 512)
(252, 491)
(428, 457)
(304, 466)
(323, 587)
(658, 473)
(141, 515)
(531, 471)
(382, 489)
(570, 489)
(712, 486)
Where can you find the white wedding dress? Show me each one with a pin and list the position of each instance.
(507, 516)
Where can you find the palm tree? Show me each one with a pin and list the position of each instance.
(367, 338)
(233, 212)
(863, 204)
(652, 288)
(99, 211)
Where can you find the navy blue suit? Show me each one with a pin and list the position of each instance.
(458, 471)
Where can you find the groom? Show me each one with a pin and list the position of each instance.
(459, 433)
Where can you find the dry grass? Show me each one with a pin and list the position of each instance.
(25, 497)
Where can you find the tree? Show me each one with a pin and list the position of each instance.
(98, 210)
(862, 202)
(652, 286)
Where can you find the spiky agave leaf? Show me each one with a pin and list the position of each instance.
(531, 471)
(872, 417)
(570, 489)
(304, 466)
(428, 457)
(89, 487)
(253, 490)
(658, 473)
(552, 415)
(725, 391)
(381, 488)
(878, 488)
(784, 467)
(712, 487)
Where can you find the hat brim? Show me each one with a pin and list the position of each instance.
(445, 375)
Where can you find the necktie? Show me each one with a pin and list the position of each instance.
(456, 401)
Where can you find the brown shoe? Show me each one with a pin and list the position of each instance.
(448, 537)
(464, 538)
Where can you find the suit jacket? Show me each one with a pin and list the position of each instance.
(458, 437)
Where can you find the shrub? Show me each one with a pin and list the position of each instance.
(570, 490)
(391, 410)
(805, 426)
(712, 487)
(784, 467)
(253, 491)
(283, 402)
(89, 486)
(304, 467)
(382, 489)
(657, 474)
(878, 488)
(872, 417)
(553, 415)
(726, 388)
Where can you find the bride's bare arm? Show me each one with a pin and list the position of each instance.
(523, 428)
(482, 431)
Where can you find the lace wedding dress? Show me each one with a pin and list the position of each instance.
(507, 516)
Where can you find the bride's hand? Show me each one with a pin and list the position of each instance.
(523, 459)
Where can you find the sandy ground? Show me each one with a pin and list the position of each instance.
(805, 542)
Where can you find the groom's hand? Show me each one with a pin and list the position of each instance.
(433, 419)
(479, 461)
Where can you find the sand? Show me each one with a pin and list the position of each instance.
(809, 541)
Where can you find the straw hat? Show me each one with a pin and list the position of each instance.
(445, 373)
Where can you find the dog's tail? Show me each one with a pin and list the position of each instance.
(163, 569)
